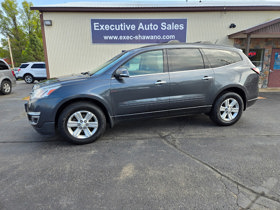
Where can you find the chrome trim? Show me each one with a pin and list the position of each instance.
(34, 113)
(254, 99)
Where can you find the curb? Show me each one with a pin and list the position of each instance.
(269, 90)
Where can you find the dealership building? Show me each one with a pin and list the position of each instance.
(80, 36)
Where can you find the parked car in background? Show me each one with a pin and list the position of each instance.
(7, 79)
(32, 71)
(153, 81)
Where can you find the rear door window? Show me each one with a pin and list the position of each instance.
(219, 58)
(38, 66)
(184, 59)
(3, 66)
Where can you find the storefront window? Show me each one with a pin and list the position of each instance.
(276, 65)
(256, 56)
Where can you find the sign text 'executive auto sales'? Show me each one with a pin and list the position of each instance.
(138, 30)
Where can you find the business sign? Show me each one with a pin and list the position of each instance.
(138, 30)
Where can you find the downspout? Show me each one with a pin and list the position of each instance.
(45, 45)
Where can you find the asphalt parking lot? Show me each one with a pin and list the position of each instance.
(175, 163)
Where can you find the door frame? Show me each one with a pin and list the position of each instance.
(272, 60)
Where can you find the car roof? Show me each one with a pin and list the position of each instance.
(177, 44)
(39, 62)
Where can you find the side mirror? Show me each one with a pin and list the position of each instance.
(121, 72)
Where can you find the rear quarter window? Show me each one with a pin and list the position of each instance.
(38, 66)
(219, 58)
(23, 66)
(3, 66)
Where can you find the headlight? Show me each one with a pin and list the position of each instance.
(43, 91)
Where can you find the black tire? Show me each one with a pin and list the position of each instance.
(6, 87)
(81, 131)
(227, 109)
(28, 78)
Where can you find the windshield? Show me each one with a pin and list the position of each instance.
(102, 68)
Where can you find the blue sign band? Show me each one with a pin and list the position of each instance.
(138, 30)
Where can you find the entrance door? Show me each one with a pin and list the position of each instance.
(274, 75)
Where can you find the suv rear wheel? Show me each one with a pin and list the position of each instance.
(28, 78)
(82, 123)
(6, 87)
(227, 109)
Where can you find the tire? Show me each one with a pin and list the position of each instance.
(28, 78)
(6, 87)
(81, 123)
(227, 109)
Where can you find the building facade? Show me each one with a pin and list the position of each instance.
(81, 36)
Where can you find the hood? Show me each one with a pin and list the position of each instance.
(63, 80)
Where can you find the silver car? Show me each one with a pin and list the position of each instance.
(7, 79)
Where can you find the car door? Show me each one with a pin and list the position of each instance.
(191, 82)
(39, 70)
(145, 91)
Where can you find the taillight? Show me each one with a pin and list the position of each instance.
(18, 70)
(256, 70)
(13, 73)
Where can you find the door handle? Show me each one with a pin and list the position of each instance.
(159, 82)
(207, 78)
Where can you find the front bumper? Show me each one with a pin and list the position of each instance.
(45, 128)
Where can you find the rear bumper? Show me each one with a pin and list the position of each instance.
(251, 102)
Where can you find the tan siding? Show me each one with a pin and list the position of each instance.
(70, 49)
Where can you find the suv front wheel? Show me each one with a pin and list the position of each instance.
(82, 123)
(227, 109)
(28, 78)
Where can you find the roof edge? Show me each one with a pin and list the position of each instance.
(253, 29)
(156, 9)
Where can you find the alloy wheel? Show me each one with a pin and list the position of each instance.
(6, 87)
(229, 109)
(82, 124)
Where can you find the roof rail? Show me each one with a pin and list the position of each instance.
(173, 42)
(204, 42)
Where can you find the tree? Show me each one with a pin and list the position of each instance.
(23, 27)
(3, 53)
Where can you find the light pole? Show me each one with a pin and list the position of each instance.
(11, 54)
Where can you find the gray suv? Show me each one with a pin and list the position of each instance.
(152, 81)
(7, 79)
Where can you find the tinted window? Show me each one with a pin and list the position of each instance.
(219, 58)
(145, 63)
(23, 66)
(184, 59)
(3, 66)
(38, 66)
